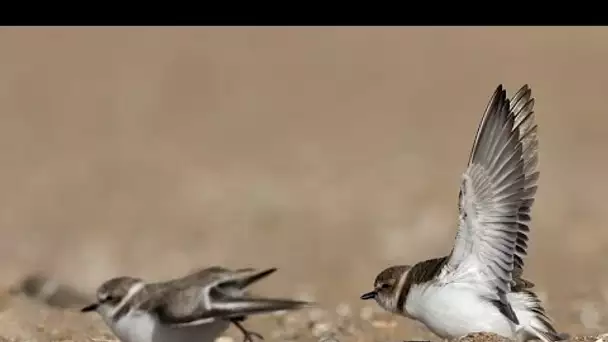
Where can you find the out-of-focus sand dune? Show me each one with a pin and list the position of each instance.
(327, 152)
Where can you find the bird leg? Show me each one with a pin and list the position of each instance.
(248, 334)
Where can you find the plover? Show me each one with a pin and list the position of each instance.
(479, 287)
(197, 307)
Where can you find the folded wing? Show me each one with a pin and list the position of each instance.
(224, 307)
(222, 298)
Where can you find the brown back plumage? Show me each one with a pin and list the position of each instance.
(422, 272)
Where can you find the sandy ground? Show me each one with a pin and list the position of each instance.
(328, 153)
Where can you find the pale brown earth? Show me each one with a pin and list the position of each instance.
(329, 153)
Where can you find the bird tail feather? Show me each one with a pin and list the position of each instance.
(534, 321)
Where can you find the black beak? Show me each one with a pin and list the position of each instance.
(369, 295)
(89, 308)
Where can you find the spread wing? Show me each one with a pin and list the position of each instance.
(490, 198)
(522, 107)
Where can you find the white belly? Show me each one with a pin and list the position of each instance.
(455, 310)
(136, 327)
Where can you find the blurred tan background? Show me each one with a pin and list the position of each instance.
(329, 153)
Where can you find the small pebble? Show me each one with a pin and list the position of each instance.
(381, 324)
(366, 313)
(224, 339)
(344, 310)
(321, 328)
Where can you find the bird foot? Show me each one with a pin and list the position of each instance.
(248, 335)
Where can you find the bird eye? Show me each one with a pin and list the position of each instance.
(106, 298)
(385, 286)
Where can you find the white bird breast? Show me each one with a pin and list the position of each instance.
(138, 326)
